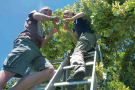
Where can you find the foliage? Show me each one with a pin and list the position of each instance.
(10, 84)
(113, 22)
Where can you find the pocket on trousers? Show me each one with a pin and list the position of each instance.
(14, 57)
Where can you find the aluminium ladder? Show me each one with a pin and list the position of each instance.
(63, 71)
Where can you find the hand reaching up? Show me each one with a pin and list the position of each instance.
(56, 20)
(54, 30)
(65, 27)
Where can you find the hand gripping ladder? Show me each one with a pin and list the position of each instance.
(63, 72)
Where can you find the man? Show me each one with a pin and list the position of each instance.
(27, 53)
(86, 41)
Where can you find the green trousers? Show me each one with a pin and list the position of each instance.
(85, 44)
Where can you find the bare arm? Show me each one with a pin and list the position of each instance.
(78, 15)
(54, 30)
(75, 36)
(42, 17)
(46, 40)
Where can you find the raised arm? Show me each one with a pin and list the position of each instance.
(42, 17)
(69, 17)
(78, 15)
(75, 36)
(54, 30)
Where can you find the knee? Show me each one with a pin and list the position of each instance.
(51, 71)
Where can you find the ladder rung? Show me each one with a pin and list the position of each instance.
(88, 56)
(89, 63)
(91, 52)
(41, 85)
(68, 67)
(55, 71)
(87, 77)
(58, 60)
(72, 83)
(56, 63)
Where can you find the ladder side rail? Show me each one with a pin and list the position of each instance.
(63, 79)
(57, 75)
(101, 61)
(93, 72)
(100, 55)
(95, 76)
(67, 75)
(73, 83)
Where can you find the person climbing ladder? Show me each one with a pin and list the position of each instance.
(86, 42)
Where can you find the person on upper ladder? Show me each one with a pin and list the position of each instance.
(26, 52)
(86, 42)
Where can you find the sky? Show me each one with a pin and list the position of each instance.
(13, 14)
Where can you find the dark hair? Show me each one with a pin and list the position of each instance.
(43, 10)
(73, 14)
(46, 8)
(67, 12)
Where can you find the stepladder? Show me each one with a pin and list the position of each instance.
(64, 70)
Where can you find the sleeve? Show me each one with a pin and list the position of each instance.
(31, 14)
(74, 28)
(44, 34)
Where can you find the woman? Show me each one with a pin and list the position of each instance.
(86, 42)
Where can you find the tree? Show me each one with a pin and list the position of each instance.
(10, 84)
(113, 23)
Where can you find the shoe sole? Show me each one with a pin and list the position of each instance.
(78, 76)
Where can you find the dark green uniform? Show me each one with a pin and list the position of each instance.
(86, 41)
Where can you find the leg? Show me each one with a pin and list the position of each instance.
(34, 79)
(83, 46)
(4, 77)
(78, 60)
(86, 42)
(45, 72)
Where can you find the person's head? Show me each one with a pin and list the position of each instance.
(68, 14)
(46, 10)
